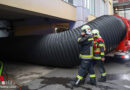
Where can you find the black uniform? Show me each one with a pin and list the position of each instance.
(86, 55)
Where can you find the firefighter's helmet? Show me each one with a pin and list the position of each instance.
(96, 33)
(86, 29)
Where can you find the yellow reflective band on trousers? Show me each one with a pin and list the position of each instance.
(90, 39)
(92, 75)
(85, 56)
(104, 74)
(99, 58)
(79, 77)
(79, 39)
(101, 45)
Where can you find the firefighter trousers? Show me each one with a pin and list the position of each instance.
(101, 67)
(86, 67)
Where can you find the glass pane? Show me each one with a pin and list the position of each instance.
(128, 14)
(66, 0)
(92, 6)
(70, 1)
(121, 13)
(88, 4)
(85, 3)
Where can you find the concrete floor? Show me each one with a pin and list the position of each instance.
(35, 77)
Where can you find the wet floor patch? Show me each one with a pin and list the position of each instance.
(128, 65)
(127, 86)
(62, 81)
(59, 80)
(118, 76)
(103, 87)
(56, 80)
(49, 81)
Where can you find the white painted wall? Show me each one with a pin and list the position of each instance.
(84, 9)
(81, 12)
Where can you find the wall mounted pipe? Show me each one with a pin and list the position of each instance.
(60, 49)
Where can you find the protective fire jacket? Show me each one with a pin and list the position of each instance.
(99, 48)
(86, 47)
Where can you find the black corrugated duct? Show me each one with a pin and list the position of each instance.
(60, 49)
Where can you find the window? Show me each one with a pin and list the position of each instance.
(102, 8)
(86, 4)
(66, 1)
(128, 14)
(69, 1)
(124, 13)
(92, 7)
(90, 4)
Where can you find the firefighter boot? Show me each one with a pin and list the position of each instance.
(77, 82)
(102, 79)
(92, 81)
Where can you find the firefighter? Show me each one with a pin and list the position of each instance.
(99, 52)
(85, 42)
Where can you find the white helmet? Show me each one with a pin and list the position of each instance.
(86, 29)
(96, 33)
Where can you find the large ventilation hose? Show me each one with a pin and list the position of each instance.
(60, 49)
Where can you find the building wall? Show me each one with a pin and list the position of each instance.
(89, 12)
(78, 12)
(33, 30)
(97, 8)
(91, 17)
(122, 8)
(110, 7)
(56, 8)
(38, 26)
(32, 27)
(103, 7)
(120, 1)
(81, 13)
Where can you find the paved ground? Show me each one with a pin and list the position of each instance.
(34, 77)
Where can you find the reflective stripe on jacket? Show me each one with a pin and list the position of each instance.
(86, 47)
